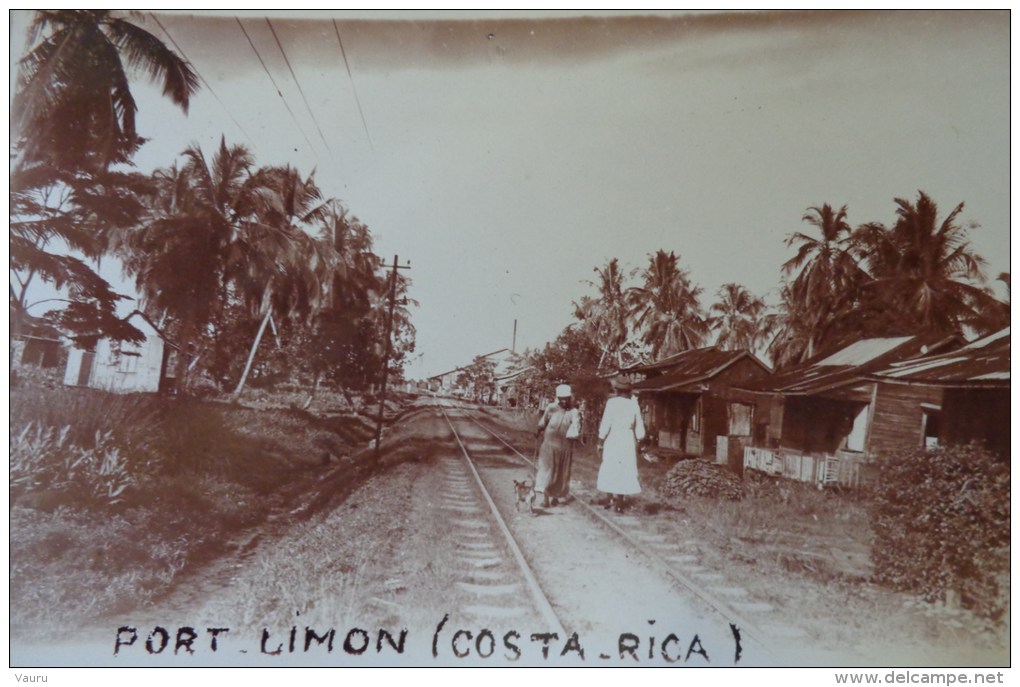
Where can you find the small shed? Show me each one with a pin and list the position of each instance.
(120, 366)
(687, 401)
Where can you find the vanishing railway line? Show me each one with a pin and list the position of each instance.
(631, 556)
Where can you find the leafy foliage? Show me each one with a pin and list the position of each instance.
(73, 107)
(479, 378)
(43, 458)
(666, 307)
(941, 519)
(604, 317)
(918, 277)
(54, 212)
(73, 117)
(741, 319)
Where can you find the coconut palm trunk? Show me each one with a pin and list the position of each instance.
(251, 354)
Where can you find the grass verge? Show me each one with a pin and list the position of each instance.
(113, 497)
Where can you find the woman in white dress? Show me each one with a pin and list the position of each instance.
(619, 433)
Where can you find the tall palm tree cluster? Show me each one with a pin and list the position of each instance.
(659, 316)
(217, 246)
(918, 277)
(662, 314)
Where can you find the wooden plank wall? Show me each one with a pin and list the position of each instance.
(897, 417)
(715, 401)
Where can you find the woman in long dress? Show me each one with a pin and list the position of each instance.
(559, 428)
(619, 433)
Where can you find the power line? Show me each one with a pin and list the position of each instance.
(353, 89)
(275, 85)
(300, 90)
(202, 79)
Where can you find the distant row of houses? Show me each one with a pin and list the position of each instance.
(822, 421)
(506, 369)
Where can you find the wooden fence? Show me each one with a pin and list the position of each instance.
(846, 470)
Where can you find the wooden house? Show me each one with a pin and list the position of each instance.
(34, 341)
(974, 384)
(821, 421)
(687, 402)
(119, 366)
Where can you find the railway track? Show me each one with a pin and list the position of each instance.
(609, 566)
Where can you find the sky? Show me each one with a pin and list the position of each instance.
(508, 157)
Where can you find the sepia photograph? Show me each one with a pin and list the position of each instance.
(490, 339)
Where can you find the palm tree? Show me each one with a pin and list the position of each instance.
(72, 117)
(827, 274)
(73, 107)
(793, 331)
(194, 249)
(605, 317)
(741, 319)
(357, 266)
(666, 307)
(283, 268)
(925, 271)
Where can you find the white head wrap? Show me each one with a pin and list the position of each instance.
(563, 391)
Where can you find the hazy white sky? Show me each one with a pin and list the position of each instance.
(507, 159)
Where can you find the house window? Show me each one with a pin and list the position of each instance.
(127, 356)
(128, 362)
(741, 415)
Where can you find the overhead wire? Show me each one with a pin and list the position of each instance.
(298, 83)
(353, 88)
(275, 85)
(201, 78)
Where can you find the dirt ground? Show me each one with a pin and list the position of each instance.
(391, 571)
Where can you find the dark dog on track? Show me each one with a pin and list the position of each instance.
(525, 492)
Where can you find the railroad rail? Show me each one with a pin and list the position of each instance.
(748, 629)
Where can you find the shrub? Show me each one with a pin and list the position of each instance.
(42, 458)
(941, 521)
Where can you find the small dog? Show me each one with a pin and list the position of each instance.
(525, 495)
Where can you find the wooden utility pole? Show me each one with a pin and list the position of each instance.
(389, 349)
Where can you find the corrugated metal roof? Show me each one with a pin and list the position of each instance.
(689, 368)
(659, 365)
(864, 351)
(982, 363)
(850, 365)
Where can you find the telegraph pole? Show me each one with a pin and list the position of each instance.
(389, 349)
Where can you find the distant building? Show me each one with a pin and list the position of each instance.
(445, 383)
(120, 366)
(508, 392)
